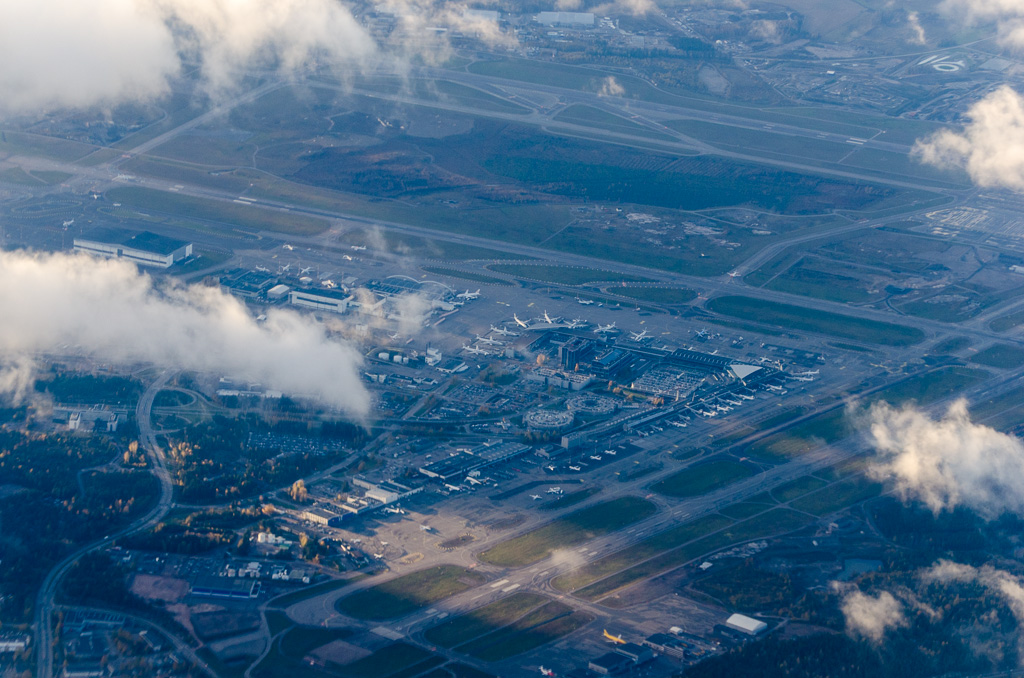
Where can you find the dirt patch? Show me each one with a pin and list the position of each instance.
(153, 587)
(340, 652)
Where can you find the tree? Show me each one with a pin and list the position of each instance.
(298, 491)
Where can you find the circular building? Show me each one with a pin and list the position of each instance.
(592, 405)
(548, 421)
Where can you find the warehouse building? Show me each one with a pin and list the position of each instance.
(745, 624)
(145, 248)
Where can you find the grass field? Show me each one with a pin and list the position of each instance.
(571, 499)
(648, 548)
(951, 345)
(1007, 322)
(545, 624)
(832, 426)
(744, 509)
(798, 488)
(838, 496)
(703, 478)
(775, 521)
(562, 275)
(244, 216)
(299, 641)
(824, 322)
(409, 592)
(483, 620)
(1000, 355)
(595, 118)
(289, 599)
(656, 295)
(568, 531)
(466, 275)
(386, 661)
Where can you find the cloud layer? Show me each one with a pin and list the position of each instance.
(871, 616)
(1008, 16)
(991, 145)
(58, 303)
(947, 462)
(68, 53)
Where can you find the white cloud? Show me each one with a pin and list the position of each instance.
(991, 145)
(872, 616)
(1008, 16)
(69, 53)
(610, 87)
(59, 303)
(947, 462)
(916, 29)
(1007, 586)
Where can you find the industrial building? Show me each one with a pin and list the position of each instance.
(745, 624)
(321, 516)
(145, 248)
(225, 587)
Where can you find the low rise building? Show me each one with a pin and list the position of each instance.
(747, 625)
(145, 248)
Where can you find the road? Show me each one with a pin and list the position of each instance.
(45, 600)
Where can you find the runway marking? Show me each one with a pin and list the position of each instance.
(509, 589)
(499, 583)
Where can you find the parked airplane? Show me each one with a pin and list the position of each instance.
(734, 274)
(263, 269)
(469, 295)
(615, 639)
(359, 248)
(520, 322)
(808, 373)
(576, 322)
(453, 488)
(549, 320)
(489, 341)
(584, 302)
(796, 378)
(426, 528)
(554, 490)
(601, 329)
(288, 247)
(535, 497)
(547, 672)
(67, 223)
(611, 452)
(744, 396)
(595, 457)
(286, 268)
(550, 468)
(329, 284)
(474, 481)
(473, 349)
(638, 336)
(503, 332)
(574, 468)
(703, 332)
(306, 270)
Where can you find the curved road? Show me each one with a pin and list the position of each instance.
(45, 605)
